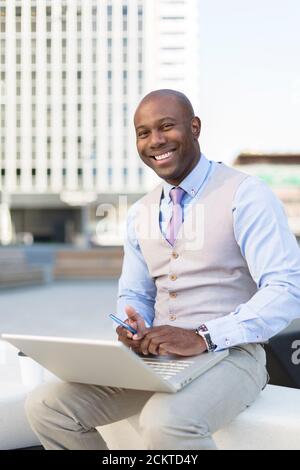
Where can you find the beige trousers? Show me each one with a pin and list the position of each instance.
(65, 415)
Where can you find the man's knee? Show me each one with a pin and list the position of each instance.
(166, 428)
(44, 398)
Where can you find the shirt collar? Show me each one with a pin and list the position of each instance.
(193, 181)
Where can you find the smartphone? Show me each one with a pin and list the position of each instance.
(122, 323)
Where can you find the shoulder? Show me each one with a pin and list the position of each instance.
(255, 199)
(255, 189)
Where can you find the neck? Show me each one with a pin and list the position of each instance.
(177, 181)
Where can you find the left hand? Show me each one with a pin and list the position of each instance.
(168, 339)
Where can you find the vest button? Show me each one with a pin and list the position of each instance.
(175, 255)
(172, 317)
(173, 295)
(173, 277)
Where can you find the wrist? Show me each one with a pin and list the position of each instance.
(203, 332)
(202, 343)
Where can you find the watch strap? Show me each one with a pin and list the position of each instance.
(202, 331)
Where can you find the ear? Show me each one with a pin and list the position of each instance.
(196, 127)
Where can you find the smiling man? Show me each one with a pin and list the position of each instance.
(234, 288)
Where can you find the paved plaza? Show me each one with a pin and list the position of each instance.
(65, 308)
(74, 309)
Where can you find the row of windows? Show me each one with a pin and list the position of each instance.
(79, 174)
(64, 42)
(64, 121)
(63, 18)
(93, 90)
(93, 57)
(64, 171)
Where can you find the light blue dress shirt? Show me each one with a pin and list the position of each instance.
(266, 242)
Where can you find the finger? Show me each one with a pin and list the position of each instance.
(128, 342)
(157, 331)
(151, 344)
(155, 342)
(170, 348)
(153, 347)
(162, 351)
(134, 316)
(123, 333)
(131, 312)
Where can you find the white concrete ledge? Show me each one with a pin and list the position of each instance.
(272, 422)
(15, 432)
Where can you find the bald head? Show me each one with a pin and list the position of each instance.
(172, 95)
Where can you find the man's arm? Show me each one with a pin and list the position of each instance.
(136, 286)
(273, 257)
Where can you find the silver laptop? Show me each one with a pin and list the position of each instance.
(103, 362)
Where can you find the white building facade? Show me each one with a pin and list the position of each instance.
(72, 73)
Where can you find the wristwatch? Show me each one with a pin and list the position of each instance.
(204, 333)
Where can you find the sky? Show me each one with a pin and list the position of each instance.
(250, 77)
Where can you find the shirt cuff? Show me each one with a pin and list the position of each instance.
(225, 332)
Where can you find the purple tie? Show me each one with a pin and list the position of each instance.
(176, 194)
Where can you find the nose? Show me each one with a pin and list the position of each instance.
(157, 139)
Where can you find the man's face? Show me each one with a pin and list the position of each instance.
(167, 137)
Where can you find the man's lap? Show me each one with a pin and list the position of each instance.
(214, 398)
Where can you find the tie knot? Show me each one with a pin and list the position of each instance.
(176, 194)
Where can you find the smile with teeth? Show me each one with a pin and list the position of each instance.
(164, 156)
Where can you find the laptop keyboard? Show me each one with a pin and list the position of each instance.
(167, 369)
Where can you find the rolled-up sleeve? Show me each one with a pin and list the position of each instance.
(273, 257)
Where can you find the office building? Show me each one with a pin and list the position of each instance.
(72, 73)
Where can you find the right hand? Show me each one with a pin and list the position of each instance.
(136, 321)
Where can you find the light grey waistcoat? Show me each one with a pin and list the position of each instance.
(203, 277)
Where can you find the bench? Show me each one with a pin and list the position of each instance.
(89, 264)
(272, 422)
(15, 270)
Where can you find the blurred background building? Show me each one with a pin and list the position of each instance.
(72, 73)
(282, 173)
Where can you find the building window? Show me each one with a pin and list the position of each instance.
(140, 18)
(141, 176)
(109, 50)
(110, 175)
(109, 115)
(18, 19)
(140, 50)
(109, 82)
(140, 81)
(94, 17)
(79, 20)
(2, 19)
(125, 115)
(109, 17)
(33, 24)
(124, 13)
(48, 19)
(124, 82)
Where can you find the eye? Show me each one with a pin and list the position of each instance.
(142, 134)
(167, 126)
